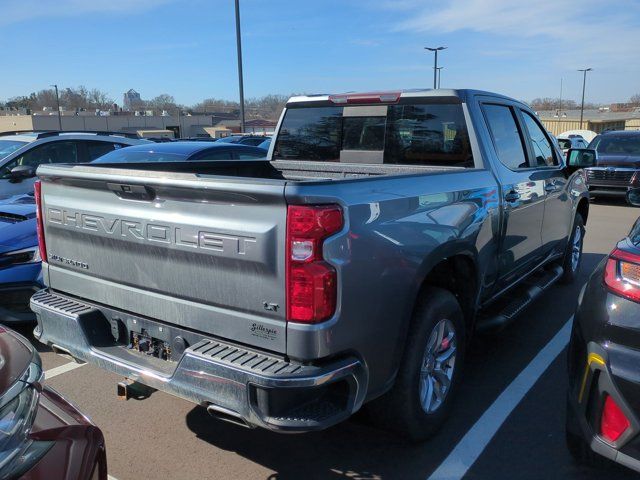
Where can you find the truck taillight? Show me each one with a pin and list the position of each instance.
(622, 274)
(40, 220)
(311, 282)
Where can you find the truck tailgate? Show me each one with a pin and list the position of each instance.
(205, 253)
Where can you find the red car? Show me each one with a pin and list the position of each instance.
(42, 435)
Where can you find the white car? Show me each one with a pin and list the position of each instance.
(21, 153)
(572, 141)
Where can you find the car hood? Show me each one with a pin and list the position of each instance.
(15, 356)
(18, 224)
(605, 160)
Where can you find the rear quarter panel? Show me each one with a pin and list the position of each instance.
(396, 229)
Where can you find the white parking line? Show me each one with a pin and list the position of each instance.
(110, 477)
(467, 451)
(67, 367)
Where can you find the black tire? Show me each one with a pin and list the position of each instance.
(401, 409)
(570, 270)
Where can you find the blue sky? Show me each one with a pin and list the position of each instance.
(187, 47)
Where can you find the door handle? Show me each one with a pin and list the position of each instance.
(512, 196)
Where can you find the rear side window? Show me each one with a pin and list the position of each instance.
(506, 136)
(213, 154)
(249, 154)
(96, 149)
(408, 134)
(542, 148)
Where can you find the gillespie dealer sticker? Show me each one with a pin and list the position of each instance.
(261, 331)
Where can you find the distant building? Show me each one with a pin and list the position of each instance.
(594, 120)
(132, 101)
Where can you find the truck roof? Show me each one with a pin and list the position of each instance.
(462, 94)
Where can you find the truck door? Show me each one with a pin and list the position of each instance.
(557, 205)
(522, 190)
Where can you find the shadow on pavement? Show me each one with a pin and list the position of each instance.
(355, 450)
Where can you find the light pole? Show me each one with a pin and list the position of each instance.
(439, 75)
(584, 82)
(435, 50)
(239, 48)
(58, 102)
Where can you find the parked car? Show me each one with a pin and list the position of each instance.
(265, 144)
(253, 140)
(618, 163)
(603, 408)
(20, 269)
(183, 151)
(42, 435)
(352, 267)
(588, 135)
(20, 266)
(573, 141)
(22, 153)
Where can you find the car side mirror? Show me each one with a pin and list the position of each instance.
(21, 172)
(581, 158)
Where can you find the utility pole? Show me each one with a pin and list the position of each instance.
(439, 76)
(435, 50)
(239, 49)
(58, 102)
(560, 108)
(584, 81)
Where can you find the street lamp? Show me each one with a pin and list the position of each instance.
(439, 75)
(58, 102)
(584, 81)
(435, 50)
(239, 49)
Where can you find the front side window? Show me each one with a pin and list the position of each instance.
(52, 152)
(506, 136)
(542, 148)
(405, 134)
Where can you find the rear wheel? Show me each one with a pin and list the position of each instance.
(572, 259)
(420, 401)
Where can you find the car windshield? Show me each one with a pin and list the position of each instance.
(125, 156)
(410, 134)
(7, 147)
(617, 144)
(564, 143)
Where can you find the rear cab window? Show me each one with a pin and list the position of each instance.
(407, 133)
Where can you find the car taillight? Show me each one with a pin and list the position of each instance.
(311, 282)
(622, 274)
(614, 422)
(40, 220)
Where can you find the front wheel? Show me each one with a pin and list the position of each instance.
(573, 255)
(420, 401)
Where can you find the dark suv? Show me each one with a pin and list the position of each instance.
(618, 165)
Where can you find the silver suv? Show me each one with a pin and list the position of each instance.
(22, 152)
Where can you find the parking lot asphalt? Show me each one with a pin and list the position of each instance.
(166, 437)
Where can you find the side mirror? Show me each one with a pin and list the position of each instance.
(582, 158)
(21, 172)
(633, 197)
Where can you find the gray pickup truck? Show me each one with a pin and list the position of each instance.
(349, 267)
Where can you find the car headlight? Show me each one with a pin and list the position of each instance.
(18, 257)
(18, 407)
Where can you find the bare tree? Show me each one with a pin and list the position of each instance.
(162, 102)
(635, 99)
